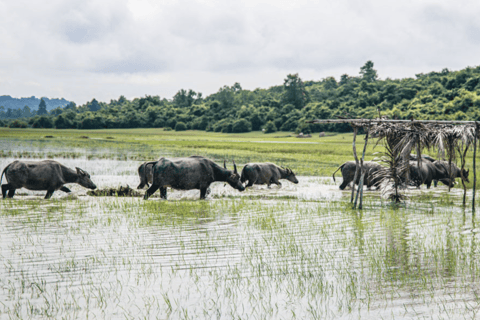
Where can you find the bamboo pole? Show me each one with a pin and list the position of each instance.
(355, 128)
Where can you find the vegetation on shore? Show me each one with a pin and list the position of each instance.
(445, 95)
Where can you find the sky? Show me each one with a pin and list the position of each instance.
(82, 49)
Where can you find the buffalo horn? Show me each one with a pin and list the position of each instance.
(234, 167)
(224, 164)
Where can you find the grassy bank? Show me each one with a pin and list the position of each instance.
(306, 156)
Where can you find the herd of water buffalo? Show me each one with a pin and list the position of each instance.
(430, 170)
(197, 172)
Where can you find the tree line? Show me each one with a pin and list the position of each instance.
(446, 95)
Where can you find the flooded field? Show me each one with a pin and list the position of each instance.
(296, 252)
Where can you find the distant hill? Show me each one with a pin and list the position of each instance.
(32, 102)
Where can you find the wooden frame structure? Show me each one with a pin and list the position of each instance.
(357, 123)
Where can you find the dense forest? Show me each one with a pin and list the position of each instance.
(447, 95)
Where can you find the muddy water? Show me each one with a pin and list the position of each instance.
(279, 253)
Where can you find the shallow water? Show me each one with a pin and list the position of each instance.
(293, 252)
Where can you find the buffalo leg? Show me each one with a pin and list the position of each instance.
(11, 191)
(49, 194)
(151, 191)
(163, 192)
(5, 187)
(344, 184)
(203, 193)
(249, 184)
(65, 189)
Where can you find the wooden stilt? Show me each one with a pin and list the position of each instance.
(474, 168)
(362, 170)
(356, 162)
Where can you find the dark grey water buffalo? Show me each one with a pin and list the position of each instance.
(413, 157)
(145, 172)
(437, 170)
(42, 175)
(348, 173)
(190, 173)
(266, 173)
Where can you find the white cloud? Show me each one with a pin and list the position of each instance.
(81, 50)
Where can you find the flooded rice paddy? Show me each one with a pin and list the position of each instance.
(296, 252)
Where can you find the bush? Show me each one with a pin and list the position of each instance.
(270, 127)
(18, 124)
(180, 126)
(42, 122)
(242, 125)
(167, 129)
(228, 128)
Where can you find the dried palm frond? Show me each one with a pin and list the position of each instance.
(391, 176)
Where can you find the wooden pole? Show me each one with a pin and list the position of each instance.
(377, 121)
(362, 170)
(355, 128)
(474, 168)
(463, 156)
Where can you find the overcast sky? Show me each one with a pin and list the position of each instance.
(81, 49)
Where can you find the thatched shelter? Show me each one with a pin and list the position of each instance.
(451, 140)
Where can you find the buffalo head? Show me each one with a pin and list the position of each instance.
(234, 179)
(83, 179)
(448, 182)
(291, 176)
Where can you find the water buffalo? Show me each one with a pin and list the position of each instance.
(437, 170)
(348, 173)
(266, 173)
(190, 173)
(145, 172)
(42, 175)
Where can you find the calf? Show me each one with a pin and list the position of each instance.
(266, 173)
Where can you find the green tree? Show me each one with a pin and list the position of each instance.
(368, 73)
(294, 91)
(93, 105)
(42, 108)
(26, 112)
(42, 122)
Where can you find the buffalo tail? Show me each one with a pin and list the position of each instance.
(333, 176)
(3, 172)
